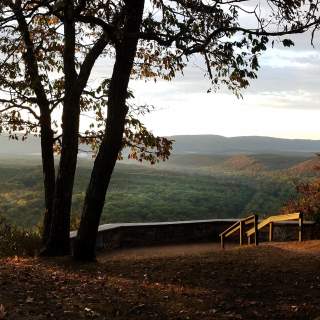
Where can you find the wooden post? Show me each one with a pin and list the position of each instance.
(256, 231)
(242, 234)
(249, 239)
(222, 241)
(300, 226)
(271, 231)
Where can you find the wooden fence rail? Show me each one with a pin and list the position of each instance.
(241, 226)
(254, 230)
(278, 218)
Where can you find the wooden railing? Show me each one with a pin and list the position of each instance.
(241, 226)
(278, 218)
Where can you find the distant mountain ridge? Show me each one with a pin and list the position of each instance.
(220, 145)
(196, 144)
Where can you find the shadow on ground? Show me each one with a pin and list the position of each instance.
(268, 282)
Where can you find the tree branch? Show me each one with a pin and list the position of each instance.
(89, 62)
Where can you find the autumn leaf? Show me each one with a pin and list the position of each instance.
(2, 312)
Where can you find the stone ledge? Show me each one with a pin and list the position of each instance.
(121, 235)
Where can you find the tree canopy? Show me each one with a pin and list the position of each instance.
(24, 84)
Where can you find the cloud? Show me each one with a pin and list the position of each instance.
(284, 101)
(262, 114)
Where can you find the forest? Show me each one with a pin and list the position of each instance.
(187, 187)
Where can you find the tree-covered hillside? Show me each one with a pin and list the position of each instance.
(141, 194)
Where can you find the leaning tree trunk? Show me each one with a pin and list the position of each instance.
(95, 196)
(84, 248)
(48, 171)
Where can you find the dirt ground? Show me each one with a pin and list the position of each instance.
(272, 281)
(162, 251)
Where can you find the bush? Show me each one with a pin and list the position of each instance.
(17, 242)
(307, 200)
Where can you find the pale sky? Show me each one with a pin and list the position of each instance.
(283, 102)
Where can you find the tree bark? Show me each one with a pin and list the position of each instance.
(84, 248)
(48, 172)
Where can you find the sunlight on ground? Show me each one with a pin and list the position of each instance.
(312, 246)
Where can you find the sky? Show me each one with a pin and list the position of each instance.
(283, 102)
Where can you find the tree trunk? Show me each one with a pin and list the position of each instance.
(48, 172)
(112, 142)
(45, 119)
(95, 196)
(58, 243)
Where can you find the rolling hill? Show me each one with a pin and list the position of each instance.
(197, 144)
(214, 144)
(293, 164)
(207, 153)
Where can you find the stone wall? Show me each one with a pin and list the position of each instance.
(146, 234)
